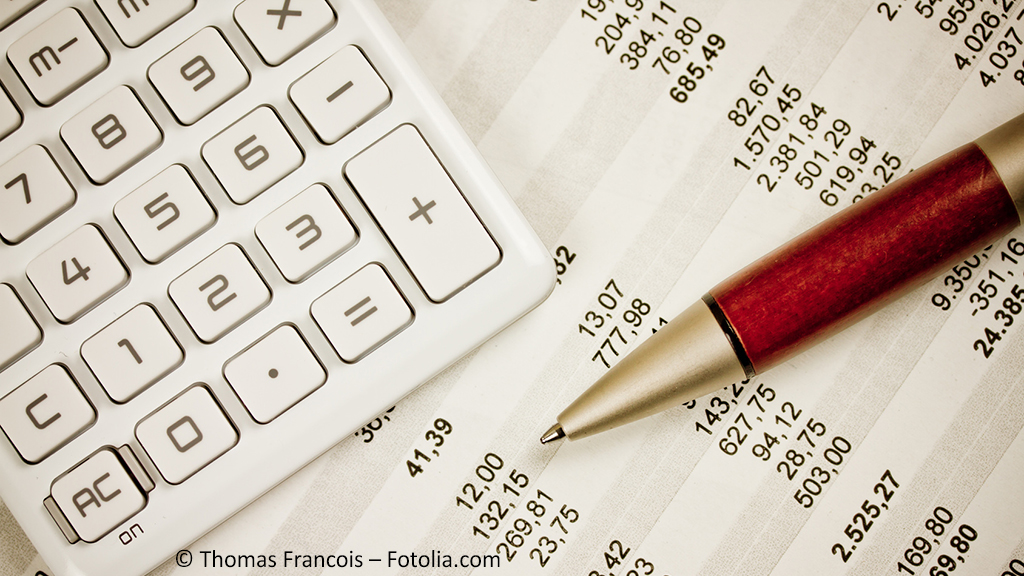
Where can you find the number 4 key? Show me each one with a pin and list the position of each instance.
(77, 273)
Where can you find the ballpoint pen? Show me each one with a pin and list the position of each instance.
(819, 283)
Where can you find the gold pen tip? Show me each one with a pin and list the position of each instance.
(553, 433)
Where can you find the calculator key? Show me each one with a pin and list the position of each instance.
(112, 134)
(136, 21)
(422, 212)
(341, 93)
(199, 75)
(306, 233)
(45, 413)
(361, 313)
(274, 374)
(252, 154)
(20, 332)
(36, 192)
(186, 434)
(132, 353)
(77, 273)
(97, 495)
(219, 293)
(58, 56)
(165, 213)
(278, 29)
(13, 9)
(10, 116)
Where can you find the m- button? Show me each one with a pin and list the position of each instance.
(58, 56)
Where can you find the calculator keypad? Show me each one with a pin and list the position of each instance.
(231, 232)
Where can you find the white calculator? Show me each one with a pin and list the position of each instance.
(232, 233)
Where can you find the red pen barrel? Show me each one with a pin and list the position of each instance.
(863, 257)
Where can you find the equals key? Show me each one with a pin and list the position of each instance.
(362, 313)
(366, 313)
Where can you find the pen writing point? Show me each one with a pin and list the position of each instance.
(553, 433)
